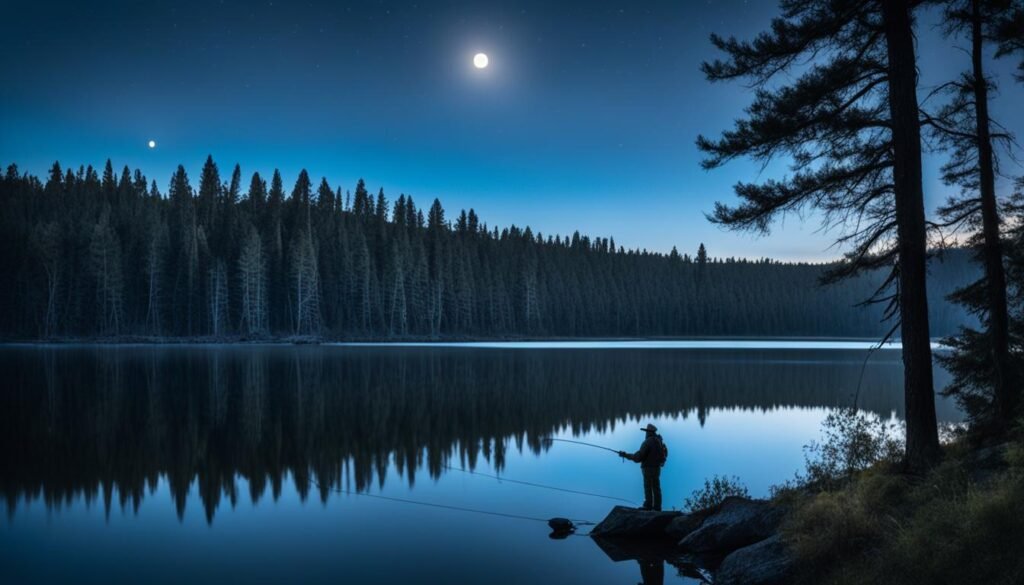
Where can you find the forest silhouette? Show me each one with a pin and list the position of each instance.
(107, 256)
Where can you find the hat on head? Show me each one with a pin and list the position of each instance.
(649, 428)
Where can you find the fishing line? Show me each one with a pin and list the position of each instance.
(580, 443)
(863, 367)
(539, 485)
(443, 506)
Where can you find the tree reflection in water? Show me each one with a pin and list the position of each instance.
(93, 421)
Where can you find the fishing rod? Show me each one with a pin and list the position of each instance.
(549, 439)
(538, 485)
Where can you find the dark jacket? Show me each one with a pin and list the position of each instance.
(649, 454)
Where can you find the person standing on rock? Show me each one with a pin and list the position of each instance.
(652, 456)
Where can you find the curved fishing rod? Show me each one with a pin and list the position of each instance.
(549, 439)
(442, 506)
(539, 485)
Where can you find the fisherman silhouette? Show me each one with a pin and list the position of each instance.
(651, 457)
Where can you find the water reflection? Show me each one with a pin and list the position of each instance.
(652, 558)
(95, 422)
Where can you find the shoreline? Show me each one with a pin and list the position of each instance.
(695, 342)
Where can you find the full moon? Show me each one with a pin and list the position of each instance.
(480, 60)
(152, 143)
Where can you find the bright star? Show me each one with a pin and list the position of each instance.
(480, 60)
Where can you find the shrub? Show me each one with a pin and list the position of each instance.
(853, 441)
(715, 490)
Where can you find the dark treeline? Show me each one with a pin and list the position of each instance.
(111, 422)
(87, 254)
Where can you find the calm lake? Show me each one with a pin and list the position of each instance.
(174, 464)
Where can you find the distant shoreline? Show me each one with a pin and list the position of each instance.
(720, 342)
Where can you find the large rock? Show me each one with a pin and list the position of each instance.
(681, 526)
(737, 523)
(768, 562)
(632, 523)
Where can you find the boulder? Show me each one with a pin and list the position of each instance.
(681, 526)
(768, 562)
(737, 523)
(632, 523)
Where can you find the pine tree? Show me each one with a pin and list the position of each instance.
(398, 215)
(381, 207)
(108, 184)
(306, 285)
(234, 191)
(257, 195)
(851, 125)
(435, 219)
(362, 269)
(156, 252)
(47, 239)
(105, 264)
(361, 202)
(217, 297)
(1009, 35)
(252, 267)
(325, 197)
(413, 218)
(209, 193)
(964, 127)
(397, 308)
(185, 250)
(273, 233)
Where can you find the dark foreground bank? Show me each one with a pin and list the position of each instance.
(962, 522)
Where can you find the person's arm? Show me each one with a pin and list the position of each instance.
(640, 455)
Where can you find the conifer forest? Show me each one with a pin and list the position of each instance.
(108, 254)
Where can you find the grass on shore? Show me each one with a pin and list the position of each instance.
(961, 523)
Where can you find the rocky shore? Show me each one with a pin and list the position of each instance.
(734, 542)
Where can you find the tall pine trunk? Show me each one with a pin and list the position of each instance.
(992, 252)
(922, 431)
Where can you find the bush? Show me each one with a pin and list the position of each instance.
(853, 441)
(715, 491)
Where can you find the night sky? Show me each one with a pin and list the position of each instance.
(585, 118)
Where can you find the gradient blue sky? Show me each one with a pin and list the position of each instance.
(586, 118)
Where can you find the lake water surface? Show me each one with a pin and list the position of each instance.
(172, 464)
